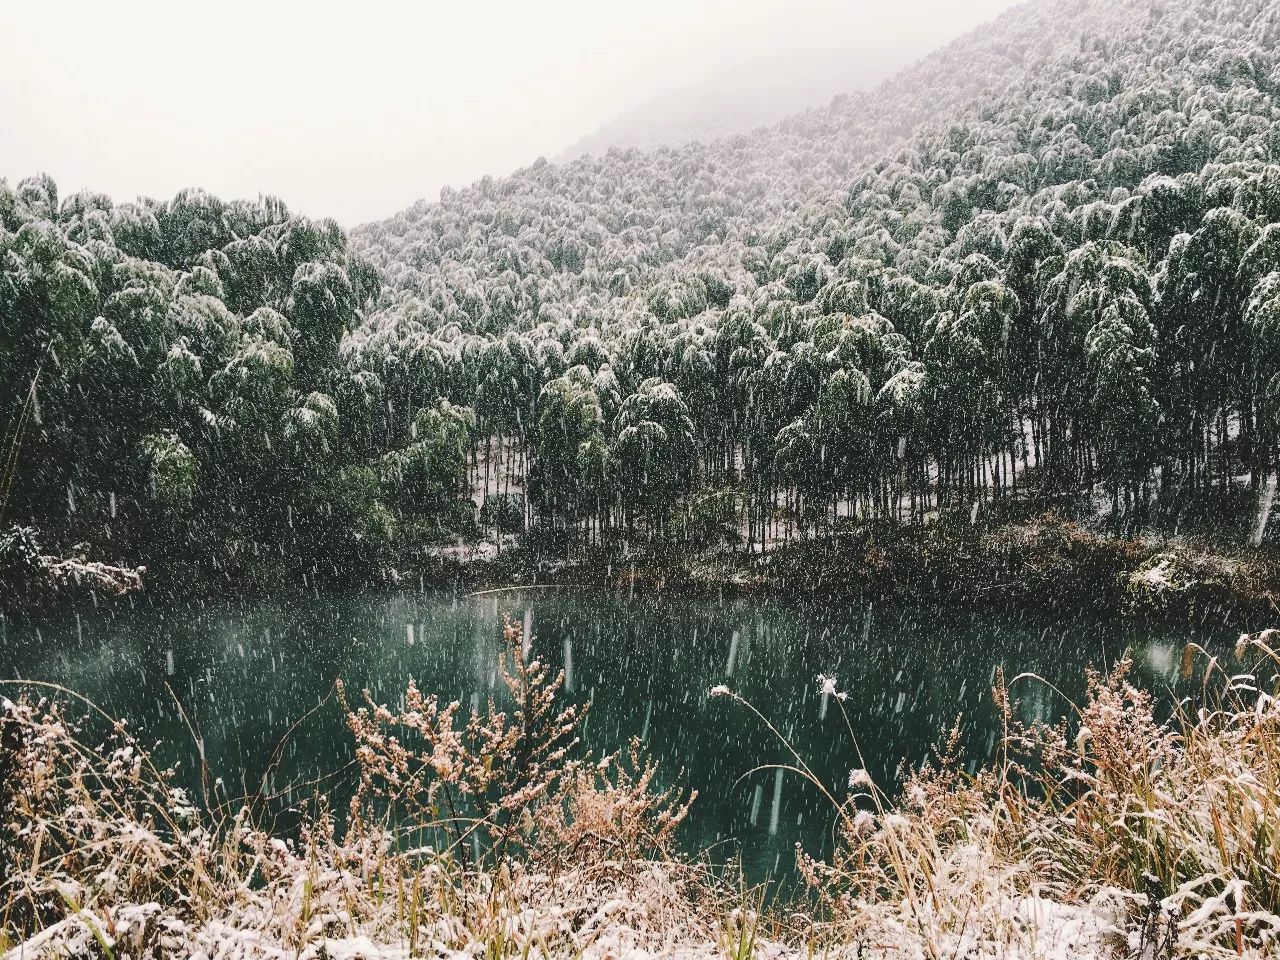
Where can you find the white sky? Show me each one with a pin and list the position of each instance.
(355, 110)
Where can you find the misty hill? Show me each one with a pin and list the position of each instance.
(698, 197)
(739, 100)
(1049, 253)
(1045, 245)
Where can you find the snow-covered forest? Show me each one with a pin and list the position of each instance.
(1045, 256)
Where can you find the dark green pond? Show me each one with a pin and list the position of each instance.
(246, 671)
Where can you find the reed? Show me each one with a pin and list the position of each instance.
(488, 835)
(1111, 834)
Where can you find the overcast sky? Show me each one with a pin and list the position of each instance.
(354, 110)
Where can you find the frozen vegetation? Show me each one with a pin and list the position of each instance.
(489, 833)
(1039, 264)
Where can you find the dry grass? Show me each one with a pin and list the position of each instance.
(1110, 834)
(486, 835)
(492, 835)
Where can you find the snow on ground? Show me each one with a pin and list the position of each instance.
(1039, 929)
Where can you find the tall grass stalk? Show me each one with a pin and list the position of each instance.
(1111, 834)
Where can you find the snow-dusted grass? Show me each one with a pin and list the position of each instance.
(1108, 834)
(493, 836)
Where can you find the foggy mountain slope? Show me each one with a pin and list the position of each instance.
(698, 197)
(740, 100)
(1022, 227)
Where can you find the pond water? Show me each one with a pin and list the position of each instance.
(244, 672)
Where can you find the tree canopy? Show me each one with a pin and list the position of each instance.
(1046, 253)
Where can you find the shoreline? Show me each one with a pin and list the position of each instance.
(1047, 564)
(953, 866)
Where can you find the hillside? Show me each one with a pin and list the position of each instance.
(1041, 258)
(737, 101)
(585, 227)
(991, 264)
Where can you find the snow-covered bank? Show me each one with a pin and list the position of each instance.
(30, 577)
(1042, 563)
(1039, 929)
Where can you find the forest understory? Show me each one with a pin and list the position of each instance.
(1047, 563)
